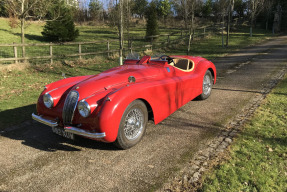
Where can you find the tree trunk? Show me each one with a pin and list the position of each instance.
(251, 26)
(192, 22)
(228, 23)
(184, 4)
(23, 36)
(128, 21)
(121, 34)
(191, 30)
(23, 28)
(189, 41)
(222, 30)
(252, 18)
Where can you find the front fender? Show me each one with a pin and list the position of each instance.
(160, 95)
(110, 115)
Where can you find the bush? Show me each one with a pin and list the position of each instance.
(151, 26)
(62, 28)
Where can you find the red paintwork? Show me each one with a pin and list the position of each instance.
(163, 91)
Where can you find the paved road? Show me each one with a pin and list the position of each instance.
(34, 159)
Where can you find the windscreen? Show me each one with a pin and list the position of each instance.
(133, 56)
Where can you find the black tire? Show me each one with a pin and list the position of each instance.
(132, 126)
(206, 86)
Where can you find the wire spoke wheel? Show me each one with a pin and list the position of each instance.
(133, 125)
(206, 85)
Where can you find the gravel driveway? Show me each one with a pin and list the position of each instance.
(32, 158)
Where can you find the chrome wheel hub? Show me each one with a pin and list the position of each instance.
(206, 85)
(134, 124)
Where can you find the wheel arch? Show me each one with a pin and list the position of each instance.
(149, 109)
(213, 73)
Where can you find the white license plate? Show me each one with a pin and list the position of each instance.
(63, 133)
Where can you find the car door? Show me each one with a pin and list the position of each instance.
(188, 85)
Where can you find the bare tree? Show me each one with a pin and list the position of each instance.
(139, 7)
(255, 7)
(181, 8)
(127, 14)
(95, 9)
(192, 4)
(268, 10)
(221, 10)
(229, 14)
(24, 9)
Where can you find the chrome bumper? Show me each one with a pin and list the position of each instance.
(84, 133)
(73, 130)
(44, 121)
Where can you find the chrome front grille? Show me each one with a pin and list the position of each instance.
(70, 107)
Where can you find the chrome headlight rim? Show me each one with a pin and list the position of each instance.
(48, 100)
(84, 108)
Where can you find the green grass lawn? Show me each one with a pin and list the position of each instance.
(87, 34)
(208, 47)
(258, 157)
(19, 89)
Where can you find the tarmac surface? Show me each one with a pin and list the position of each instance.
(32, 158)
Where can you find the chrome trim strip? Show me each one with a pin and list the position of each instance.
(51, 90)
(44, 121)
(84, 133)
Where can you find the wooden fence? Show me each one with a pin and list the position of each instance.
(17, 57)
(100, 47)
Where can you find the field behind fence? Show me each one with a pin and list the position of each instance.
(50, 52)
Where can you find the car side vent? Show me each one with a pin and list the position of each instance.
(70, 107)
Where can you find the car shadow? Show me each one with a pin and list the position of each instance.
(41, 137)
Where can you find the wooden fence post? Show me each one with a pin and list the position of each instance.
(151, 42)
(131, 46)
(51, 54)
(15, 54)
(80, 51)
(108, 48)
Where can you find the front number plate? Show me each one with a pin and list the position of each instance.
(63, 133)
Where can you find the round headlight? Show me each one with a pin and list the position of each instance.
(48, 100)
(84, 108)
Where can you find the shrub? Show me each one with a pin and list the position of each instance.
(151, 26)
(61, 26)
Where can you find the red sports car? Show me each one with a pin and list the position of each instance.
(115, 105)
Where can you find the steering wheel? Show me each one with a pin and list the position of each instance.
(166, 57)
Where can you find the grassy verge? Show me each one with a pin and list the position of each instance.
(258, 158)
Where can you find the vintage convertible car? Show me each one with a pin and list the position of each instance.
(115, 105)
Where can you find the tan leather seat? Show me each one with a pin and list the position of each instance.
(183, 64)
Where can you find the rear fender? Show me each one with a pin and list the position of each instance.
(203, 66)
